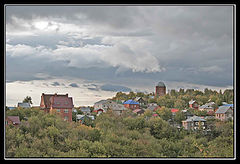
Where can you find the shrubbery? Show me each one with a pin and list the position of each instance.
(45, 135)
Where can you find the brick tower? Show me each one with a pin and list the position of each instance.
(160, 89)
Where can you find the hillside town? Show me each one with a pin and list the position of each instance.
(194, 116)
(184, 123)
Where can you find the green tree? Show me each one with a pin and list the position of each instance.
(27, 99)
(164, 113)
(179, 103)
(179, 117)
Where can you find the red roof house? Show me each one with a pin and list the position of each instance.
(98, 111)
(13, 120)
(60, 104)
(174, 110)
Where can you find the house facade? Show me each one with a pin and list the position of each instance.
(209, 107)
(224, 113)
(98, 111)
(85, 110)
(59, 104)
(104, 105)
(131, 104)
(141, 101)
(153, 106)
(193, 104)
(194, 123)
(12, 120)
(118, 109)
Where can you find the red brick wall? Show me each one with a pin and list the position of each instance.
(160, 91)
(132, 106)
(62, 113)
(194, 105)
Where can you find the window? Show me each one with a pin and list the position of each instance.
(65, 110)
(196, 123)
(58, 110)
(65, 118)
(202, 123)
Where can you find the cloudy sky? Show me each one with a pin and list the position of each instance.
(91, 52)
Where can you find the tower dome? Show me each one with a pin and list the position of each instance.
(161, 84)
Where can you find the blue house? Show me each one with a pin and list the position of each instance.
(131, 104)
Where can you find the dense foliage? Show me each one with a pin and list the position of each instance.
(179, 99)
(128, 135)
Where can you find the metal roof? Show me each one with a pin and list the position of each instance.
(231, 105)
(223, 109)
(130, 102)
(161, 84)
(24, 105)
(195, 118)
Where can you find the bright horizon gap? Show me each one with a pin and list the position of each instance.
(81, 95)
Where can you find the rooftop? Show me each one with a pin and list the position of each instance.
(24, 105)
(161, 84)
(195, 118)
(130, 102)
(14, 119)
(223, 109)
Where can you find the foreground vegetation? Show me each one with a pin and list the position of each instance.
(45, 135)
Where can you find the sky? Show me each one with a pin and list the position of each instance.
(92, 52)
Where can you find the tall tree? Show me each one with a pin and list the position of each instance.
(27, 99)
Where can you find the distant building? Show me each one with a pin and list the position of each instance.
(194, 123)
(209, 107)
(81, 118)
(85, 110)
(224, 112)
(98, 111)
(24, 105)
(141, 101)
(193, 104)
(12, 120)
(118, 109)
(138, 111)
(153, 107)
(104, 105)
(11, 108)
(160, 89)
(131, 104)
(59, 104)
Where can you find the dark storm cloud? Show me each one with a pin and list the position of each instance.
(117, 16)
(115, 88)
(192, 43)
